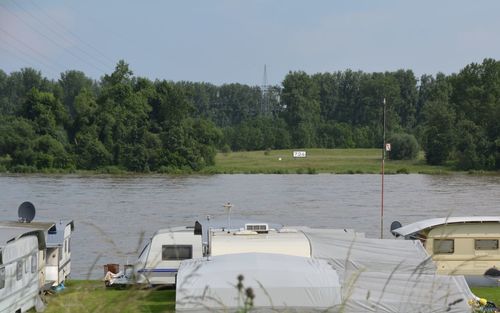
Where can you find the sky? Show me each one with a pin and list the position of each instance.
(230, 41)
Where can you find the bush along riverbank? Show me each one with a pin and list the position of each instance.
(334, 161)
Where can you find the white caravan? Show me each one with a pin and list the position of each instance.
(160, 259)
(19, 268)
(466, 246)
(55, 258)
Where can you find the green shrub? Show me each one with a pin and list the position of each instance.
(403, 147)
(111, 170)
(311, 170)
(403, 170)
(20, 168)
(225, 149)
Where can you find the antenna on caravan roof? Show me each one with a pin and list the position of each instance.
(26, 212)
(228, 207)
(208, 246)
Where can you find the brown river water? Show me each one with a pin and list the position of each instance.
(114, 215)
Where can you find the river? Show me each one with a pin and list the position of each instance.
(114, 215)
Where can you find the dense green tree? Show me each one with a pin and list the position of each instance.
(72, 83)
(141, 125)
(302, 108)
(16, 140)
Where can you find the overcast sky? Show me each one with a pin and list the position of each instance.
(224, 41)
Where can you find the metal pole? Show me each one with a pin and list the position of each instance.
(382, 196)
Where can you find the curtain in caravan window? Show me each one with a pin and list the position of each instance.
(19, 270)
(34, 262)
(176, 252)
(486, 244)
(444, 246)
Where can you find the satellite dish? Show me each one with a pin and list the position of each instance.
(26, 212)
(395, 225)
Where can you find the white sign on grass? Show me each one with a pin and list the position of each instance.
(299, 154)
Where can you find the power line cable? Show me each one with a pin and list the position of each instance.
(54, 42)
(61, 25)
(60, 34)
(25, 58)
(37, 53)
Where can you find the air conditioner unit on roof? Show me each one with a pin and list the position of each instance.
(261, 228)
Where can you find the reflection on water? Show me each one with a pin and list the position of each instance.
(114, 215)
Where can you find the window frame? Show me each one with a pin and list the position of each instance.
(437, 245)
(476, 247)
(167, 257)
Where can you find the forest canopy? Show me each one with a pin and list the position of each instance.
(137, 124)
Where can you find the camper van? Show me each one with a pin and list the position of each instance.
(466, 246)
(160, 259)
(19, 267)
(58, 257)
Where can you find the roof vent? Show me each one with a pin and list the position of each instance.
(260, 228)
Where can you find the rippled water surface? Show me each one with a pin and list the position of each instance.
(114, 215)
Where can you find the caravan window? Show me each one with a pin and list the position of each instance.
(2, 277)
(26, 266)
(176, 252)
(19, 270)
(33, 263)
(444, 246)
(486, 244)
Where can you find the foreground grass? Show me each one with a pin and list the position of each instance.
(82, 296)
(489, 293)
(338, 161)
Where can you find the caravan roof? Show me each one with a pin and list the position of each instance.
(289, 243)
(434, 222)
(9, 233)
(55, 235)
(279, 281)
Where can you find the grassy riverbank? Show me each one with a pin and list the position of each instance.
(83, 296)
(338, 161)
(335, 161)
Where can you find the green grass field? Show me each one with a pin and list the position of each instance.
(489, 293)
(338, 161)
(82, 296)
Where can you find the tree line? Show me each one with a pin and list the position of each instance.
(137, 124)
